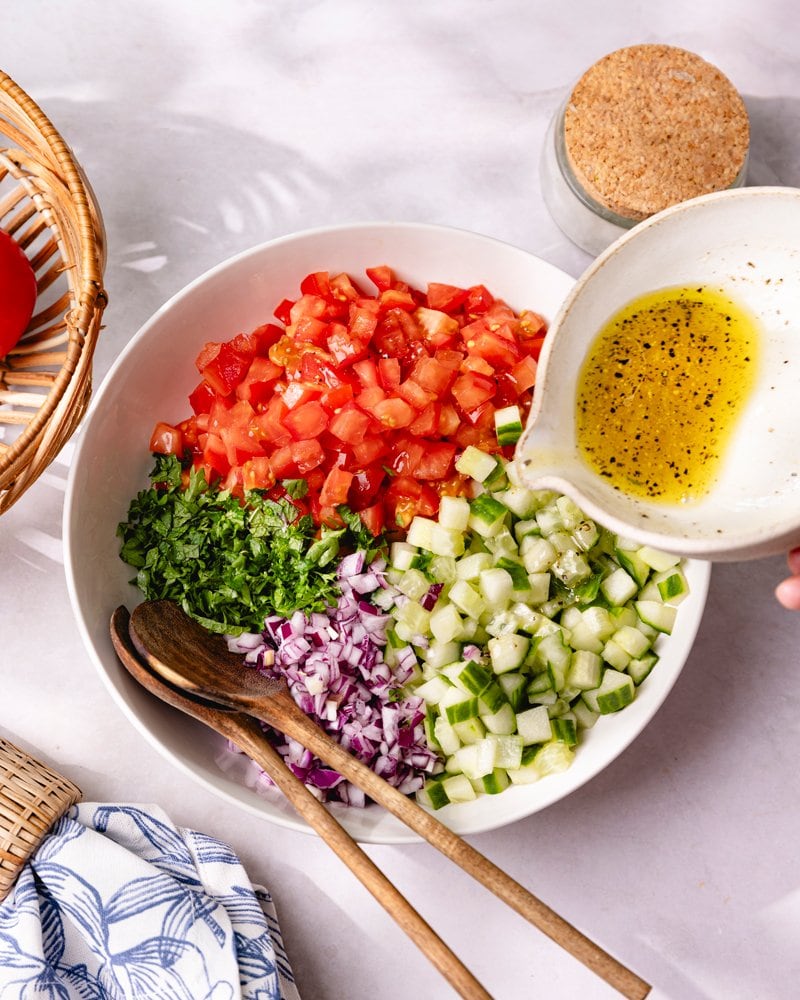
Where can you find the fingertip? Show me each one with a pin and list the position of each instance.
(788, 593)
(794, 561)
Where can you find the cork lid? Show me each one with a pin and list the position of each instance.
(652, 125)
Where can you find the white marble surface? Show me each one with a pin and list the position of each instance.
(206, 127)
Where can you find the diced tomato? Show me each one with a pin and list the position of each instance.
(258, 385)
(309, 330)
(317, 283)
(524, 373)
(437, 460)
(337, 397)
(413, 393)
(257, 473)
(335, 488)
(283, 311)
(364, 487)
(478, 300)
(350, 424)
(433, 376)
(307, 455)
(370, 450)
(394, 298)
(269, 425)
(209, 351)
(367, 372)
(264, 337)
(427, 423)
(226, 369)
(201, 398)
(381, 277)
(166, 440)
(408, 453)
(471, 390)
(394, 412)
(373, 518)
(449, 420)
(439, 329)
(344, 348)
(283, 463)
(297, 393)
(389, 373)
(306, 421)
(367, 397)
(447, 298)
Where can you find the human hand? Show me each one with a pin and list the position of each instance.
(788, 592)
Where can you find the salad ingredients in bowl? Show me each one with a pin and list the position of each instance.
(343, 504)
(287, 569)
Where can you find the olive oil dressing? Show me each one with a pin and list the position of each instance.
(661, 389)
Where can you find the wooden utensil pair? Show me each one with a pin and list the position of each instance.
(191, 669)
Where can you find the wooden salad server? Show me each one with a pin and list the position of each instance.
(249, 737)
(199, 663)
(247, 734)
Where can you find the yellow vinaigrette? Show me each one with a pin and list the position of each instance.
(661, 389)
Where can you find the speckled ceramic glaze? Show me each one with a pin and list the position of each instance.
(745, 242)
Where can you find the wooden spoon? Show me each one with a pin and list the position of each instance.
(199, 662)
(247, 734)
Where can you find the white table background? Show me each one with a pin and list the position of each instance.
(207, 127)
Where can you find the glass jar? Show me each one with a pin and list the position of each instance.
(644, 128)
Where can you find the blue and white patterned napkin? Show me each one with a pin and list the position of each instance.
(118, 903)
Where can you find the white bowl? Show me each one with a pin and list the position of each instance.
(151, 380)
(746, 242)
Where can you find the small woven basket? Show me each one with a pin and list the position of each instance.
(47, 207)
(32, 798)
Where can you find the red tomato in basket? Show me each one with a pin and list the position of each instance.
(17, 293)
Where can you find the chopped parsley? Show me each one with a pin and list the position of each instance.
(231, 564)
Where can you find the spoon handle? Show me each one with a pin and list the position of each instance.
(281, 712)
(253, 742)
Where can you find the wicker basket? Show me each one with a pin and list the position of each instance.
(32, 798)
(48, 208)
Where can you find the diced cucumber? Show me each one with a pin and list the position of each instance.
(586, 534)
(446, 736)
(467, 599)
(581, 636)
(553, 758)
(503, 722)
(659, 616)
(570, 568)
(475, 759)
(458, 788)
(616, 690)
(497, 586)
(672, 585)
(471, 566)
(413, 584)
(439, 654)
(492, 784)
(401, 554)
(433, 795)
(454, 513)
(526, 529)
(534, 726)
(433, 690)
(487, 515)
(470, 730)
(502, 545)
(565, 730)
(507, 652)
(584, 716)
(657, 560)
(508, 425)
(445, 624)
(615, 655)
(585, 670)
(476, 464)
(434, 537)
(513, 685)
(618, 587)
(507, 750)
(538, 555)
(549, 520)
(641, 667)
(633, 564)
(632, 640)
(519, 500)
(461, 710)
